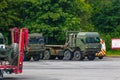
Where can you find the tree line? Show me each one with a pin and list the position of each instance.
(53, 17)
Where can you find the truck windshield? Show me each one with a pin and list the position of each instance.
(92, 40)
(1, 41)
(36, 41)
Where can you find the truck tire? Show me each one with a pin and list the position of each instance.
(47, 55)
(36, 58)
(68, 55)
(77, 55)
(91, 57)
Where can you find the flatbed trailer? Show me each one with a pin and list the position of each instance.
(53, 51)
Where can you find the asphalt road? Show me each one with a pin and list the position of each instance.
(106, 69)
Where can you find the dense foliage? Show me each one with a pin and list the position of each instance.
(54, 17)
(106, 18)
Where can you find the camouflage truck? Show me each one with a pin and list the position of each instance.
(78, 46)
(35, 47)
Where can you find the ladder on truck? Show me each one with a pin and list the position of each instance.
(20, 38)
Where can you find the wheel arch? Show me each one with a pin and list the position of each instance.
(68, 49)
(77, 49)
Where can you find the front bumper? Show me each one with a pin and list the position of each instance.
(92, 50)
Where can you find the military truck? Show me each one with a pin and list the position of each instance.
(78, 46)
(35, 47)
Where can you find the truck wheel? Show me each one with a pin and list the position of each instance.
(47, 55)
(91, 57)
(36, 58)
(68, 55)
(77, 55)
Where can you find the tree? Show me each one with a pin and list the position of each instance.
(9, 16)
(106, 17)
(54, 16)
(50, 17)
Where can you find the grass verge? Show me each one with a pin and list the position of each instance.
(113, 53)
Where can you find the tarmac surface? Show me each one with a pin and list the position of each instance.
(105, 69)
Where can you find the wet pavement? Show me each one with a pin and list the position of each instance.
(105, 69)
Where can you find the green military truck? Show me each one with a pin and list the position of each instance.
(78, 46)
(36, 47)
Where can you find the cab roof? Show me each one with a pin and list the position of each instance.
(35, 35)
(88, 34)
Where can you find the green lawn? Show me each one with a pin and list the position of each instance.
(113, 53)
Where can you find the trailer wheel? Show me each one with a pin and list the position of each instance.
(68, 55)
(77, 55)
(47, 55)
(91, 57)
(36, 58)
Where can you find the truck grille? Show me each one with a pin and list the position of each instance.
(93, 50)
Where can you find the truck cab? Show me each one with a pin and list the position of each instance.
(84, 44)
(35, 47)
(88, 42)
